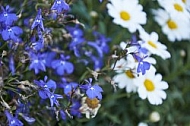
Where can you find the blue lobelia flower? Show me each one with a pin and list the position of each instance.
(46, 87)
(74, 109)
(12, 64)
(53, 99)
(102, 42)
(60, 6)
(62, 114)
(38, 23)
(68, 87)
(62, 66)
(23, 110)
(37, 62)
(12, 33)
(142, 65)
(92, 91)
(7, 18)
(13, 121)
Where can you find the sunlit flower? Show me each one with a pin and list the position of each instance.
(151, 86)
(127, 13)
(150, 42)
(172, 26)
(90, 107)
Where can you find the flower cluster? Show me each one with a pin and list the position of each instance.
(54, 66)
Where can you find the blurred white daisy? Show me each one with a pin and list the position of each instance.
(150, 42)
(187, 4)
(151, 86)
(176, 8)
(172, 26)
(142, 124)
(127, 13)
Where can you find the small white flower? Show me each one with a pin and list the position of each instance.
(151, 86)
(142, 124)
(174, 27)
(150, 42)
(127, 13)
(89, 107)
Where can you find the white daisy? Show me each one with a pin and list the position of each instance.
(126, 80)
(151, 86)
(127, 13)
(172, 26)
(150, 42)
(89, 107)
(176, 7)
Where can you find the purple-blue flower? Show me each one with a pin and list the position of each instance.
(13, 121)
(74, 109)
(142, 65)
(38, 23)
(46, 87)
(92, 91)
(12, 64)
(53, 99)
(62, 114)
(12, 33)
(62, 66)
(7, 18)
(60, 6)
(68, 87)
(37, 62)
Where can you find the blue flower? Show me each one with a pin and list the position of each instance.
(74, 109)
(12, 33)
(6, 17)
(60, 6)
(142, 65)
(37, 62)
(102, 42)
(62, 66)
(92, 91)
(45, 87)
(13, 121)
(53, 99)
(62, 114)
(38, 23)
(12, 65)
(68, 87)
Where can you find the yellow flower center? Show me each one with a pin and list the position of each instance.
(184, 1)
(149, 85)
(125, 15)
(152, 44)
(129, 74)
(178, 7)
(92, 103)
(171, 24)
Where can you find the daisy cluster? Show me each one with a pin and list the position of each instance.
(174, 19)
(135, 70)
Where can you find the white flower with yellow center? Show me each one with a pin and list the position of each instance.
(89, 107)
(151, 43)
(126, 80)
(172, 26)
(176, 7)
(151, 86)
(127, 13)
